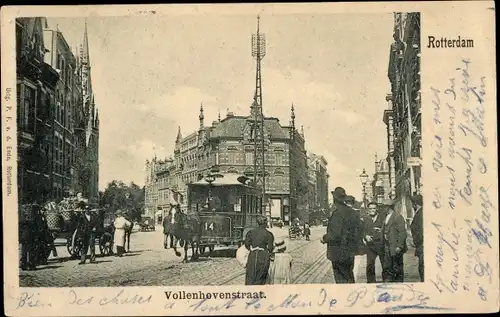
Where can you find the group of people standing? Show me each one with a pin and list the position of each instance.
(382, 234)
(37, 240)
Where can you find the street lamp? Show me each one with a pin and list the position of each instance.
(364, 180)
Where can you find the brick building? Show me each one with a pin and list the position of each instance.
(405, 106)
(50, 111)
(226, 146)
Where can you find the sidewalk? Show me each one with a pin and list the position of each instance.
(410, 268)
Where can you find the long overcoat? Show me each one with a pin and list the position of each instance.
(342, 234)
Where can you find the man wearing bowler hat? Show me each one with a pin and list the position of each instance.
(341, 238)
(394, 237)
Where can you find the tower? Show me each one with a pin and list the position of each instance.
(257, 115)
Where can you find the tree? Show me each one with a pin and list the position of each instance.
(129, 198)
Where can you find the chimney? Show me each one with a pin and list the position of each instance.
(229, 114)
(215, 123)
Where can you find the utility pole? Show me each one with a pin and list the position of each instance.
(258, 52)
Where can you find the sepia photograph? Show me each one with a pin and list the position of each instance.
(150, 154)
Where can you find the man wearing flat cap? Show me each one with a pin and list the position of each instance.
(394, 237)
(417, 233)
(341, 238)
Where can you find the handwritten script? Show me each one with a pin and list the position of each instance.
(459, 144)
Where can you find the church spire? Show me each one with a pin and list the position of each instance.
(85, 46)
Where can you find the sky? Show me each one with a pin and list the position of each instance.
(151, 73)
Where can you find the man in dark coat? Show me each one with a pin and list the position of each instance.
(341, 238)
(88, 231)
(417, 232)
(394, 237)
(27, 235)
(373, 239)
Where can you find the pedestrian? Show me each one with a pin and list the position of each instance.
(88, 231)
(307, 231)
(417, 232)
(356, 215)
(280, 271)
(27, 232)
(260, 243)
(394, 237)
(121, 224)
(341, 238)
(373, 241)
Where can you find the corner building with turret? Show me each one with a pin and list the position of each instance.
(227, 146)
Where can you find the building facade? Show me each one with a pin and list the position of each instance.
(226, 146)
(405, 106)
(381, 187)
(36, 87)
(50, 112)
(318, 176)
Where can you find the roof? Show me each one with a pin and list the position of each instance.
(225, 180)
(233, 127)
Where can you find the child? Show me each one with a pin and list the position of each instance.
(307, 231)
(280, 271)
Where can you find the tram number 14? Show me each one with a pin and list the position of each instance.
(209, 226)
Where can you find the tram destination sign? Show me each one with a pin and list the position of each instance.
(216, 226)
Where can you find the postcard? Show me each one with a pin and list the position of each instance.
(249, 159)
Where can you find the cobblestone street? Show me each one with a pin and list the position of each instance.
(148, 264)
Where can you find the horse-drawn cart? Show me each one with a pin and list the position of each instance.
(63, 222)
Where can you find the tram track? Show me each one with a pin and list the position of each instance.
(291, 251)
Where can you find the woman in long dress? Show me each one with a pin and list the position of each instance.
(280, 271)
(120, 224)
(260, 243)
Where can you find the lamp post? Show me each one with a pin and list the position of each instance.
(364, 179)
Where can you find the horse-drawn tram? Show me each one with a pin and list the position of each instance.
(227, 206)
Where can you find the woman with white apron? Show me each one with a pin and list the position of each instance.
(119, 238)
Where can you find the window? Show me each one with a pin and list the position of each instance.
(279, 159)
(248, 158)
(19, 40)
(232, 158)
(29, 107)
(278, 182)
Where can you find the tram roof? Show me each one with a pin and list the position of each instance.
(225, 180)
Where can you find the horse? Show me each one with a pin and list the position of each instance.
(186, 229)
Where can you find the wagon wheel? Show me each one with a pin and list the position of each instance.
(203, 249)
(106, 244)
(74, 248)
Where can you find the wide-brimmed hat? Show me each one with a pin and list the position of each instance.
(339, 194)
(372, 203)
(280, 245)
(119, 213)
(417, 199)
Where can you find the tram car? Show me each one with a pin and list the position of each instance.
(228, 206)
